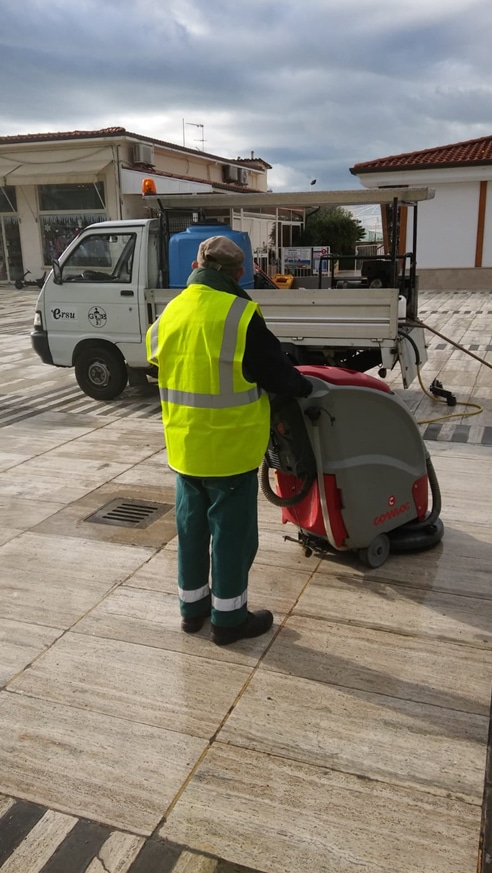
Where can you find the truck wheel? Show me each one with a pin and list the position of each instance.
(376, 553)
(101, 372)
(376, 283)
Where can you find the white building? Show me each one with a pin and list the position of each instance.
(454, 231)
(52, 184)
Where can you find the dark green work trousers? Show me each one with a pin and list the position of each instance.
(217, 522)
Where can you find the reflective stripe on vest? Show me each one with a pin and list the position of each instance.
(209, 401)
(153, 343)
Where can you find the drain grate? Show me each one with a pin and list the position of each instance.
(127, 512)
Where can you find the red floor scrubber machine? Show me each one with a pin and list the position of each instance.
(352, 471)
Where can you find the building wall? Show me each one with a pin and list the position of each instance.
(487, 237)
(447, 224)
(447, 227)
(27, 210)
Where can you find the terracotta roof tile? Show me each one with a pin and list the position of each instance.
(62, 135)
(26, 138)
(471, 152)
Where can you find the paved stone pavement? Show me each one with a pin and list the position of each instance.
(352, 737)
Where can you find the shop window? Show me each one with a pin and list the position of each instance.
(71, 197)
(8, 200)
(57, 231)
(64, 211)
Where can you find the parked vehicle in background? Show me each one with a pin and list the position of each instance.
(115, 278)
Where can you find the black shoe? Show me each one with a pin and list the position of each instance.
(193, 625)
(257, 623)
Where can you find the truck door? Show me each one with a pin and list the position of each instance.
(98, 294)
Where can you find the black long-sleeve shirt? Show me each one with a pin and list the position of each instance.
(265, 362)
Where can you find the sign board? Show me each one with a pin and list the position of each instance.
(303, 260)
(318, 252)
(295, 259)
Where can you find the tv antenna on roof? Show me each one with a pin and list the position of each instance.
(192, 124)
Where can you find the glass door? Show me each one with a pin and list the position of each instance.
(11, 235)
(11, 267)
(3, 256)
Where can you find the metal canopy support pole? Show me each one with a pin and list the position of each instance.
(394, 244)
(277, 253)
(412, 305)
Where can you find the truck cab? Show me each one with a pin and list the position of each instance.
(89, 313)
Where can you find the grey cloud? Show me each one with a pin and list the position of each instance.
(314, 87)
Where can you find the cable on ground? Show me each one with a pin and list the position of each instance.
(475, 406)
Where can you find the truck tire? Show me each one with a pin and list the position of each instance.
(101, 372)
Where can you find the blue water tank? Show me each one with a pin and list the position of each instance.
(183, 249)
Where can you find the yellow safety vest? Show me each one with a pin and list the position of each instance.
(216, 423)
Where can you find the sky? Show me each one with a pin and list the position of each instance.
(310, 86)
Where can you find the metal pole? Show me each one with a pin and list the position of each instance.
(412, 305)
(394, 244)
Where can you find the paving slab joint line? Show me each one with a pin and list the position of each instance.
(238, 697)
(111, 590)
(65, 631)
(23, 669)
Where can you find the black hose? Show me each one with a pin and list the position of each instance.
(412, 343)
(419, 535)
(434, 484)
(274, 498)
(435, 491)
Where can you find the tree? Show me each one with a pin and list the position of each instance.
(336, 227)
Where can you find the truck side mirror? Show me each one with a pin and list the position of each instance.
(57, 272)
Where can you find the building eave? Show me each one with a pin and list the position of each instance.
(122, 135)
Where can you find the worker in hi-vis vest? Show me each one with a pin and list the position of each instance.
(216, 360)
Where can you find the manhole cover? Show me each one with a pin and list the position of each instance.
(129, 512)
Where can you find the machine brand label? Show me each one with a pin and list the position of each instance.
(392, 513)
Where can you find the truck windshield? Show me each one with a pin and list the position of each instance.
(101, 257)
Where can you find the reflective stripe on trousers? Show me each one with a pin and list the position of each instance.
(221, 603)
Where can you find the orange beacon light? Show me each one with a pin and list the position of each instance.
(148, 187)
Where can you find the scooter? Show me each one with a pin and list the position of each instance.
(22, 282)
(352, 471)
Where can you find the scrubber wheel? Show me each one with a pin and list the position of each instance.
(376, 552)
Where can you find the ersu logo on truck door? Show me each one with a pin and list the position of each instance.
(97, 316)
(62, 313)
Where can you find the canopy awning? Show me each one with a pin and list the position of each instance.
(72, 166)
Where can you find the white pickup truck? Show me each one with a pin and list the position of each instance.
(99, 299)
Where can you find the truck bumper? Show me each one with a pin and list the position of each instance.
(39, 342)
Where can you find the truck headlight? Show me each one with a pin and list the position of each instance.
(38, 321)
